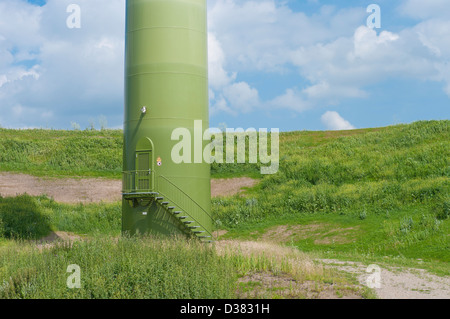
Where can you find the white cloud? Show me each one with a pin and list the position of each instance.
(232, 97)
(333, 121)
(426, 9)
(54, 72)
(291, 99)
(3, 80)
(218, 77)
(335, 91)
(434, 33)
(59, 73)
(368, 45)
(19, 27)
(259, 35)
(343, 68)
(241, 96)
(220, 105)
(21, 114)
(331, 49)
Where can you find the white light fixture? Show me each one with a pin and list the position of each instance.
(144, 110)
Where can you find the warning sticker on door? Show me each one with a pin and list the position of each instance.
(158, 161)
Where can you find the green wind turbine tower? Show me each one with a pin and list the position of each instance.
(166, 87)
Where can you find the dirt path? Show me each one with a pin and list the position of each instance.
(397, 283)
(231, 186)
(67, 190)
(92, 190)
(394, 283)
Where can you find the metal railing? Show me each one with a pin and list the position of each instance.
(182, 200)
(136, 182)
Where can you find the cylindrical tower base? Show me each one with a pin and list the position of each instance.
(166, 87)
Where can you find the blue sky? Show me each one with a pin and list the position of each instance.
(292, 65)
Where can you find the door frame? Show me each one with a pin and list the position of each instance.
(145, 145)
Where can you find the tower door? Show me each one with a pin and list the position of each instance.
(143, 171)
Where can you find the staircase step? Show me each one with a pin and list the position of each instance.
(204, 236)
(159, 198)
(182, 217)
(177, 213)
(165, 203)
(171, 207)
(189, 222)
(199, 232)
(194, 227)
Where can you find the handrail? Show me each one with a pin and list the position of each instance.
(136, 182)
(179, 189)
(183, 201)
(130, 181)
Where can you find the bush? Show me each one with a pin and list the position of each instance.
(22, 218)
(444, 213)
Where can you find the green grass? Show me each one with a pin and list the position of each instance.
(376, 195)
(92, 153)
(60, 153)
(23, 217)
(113, 266)
(376, 239)
(144, 267)
(27, 217)
(89, 153)
(122, 269)
(391, 185)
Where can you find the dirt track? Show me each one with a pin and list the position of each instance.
(91, 190)
(399, 283)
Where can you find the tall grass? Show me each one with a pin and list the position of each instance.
(392, 182)
(62, 153)
(154, 268)
(377, 175)
(122, 269)
(27, 217)
(113, 266)
(432, 195)
(381, 170)
(23, 217)
(395, 153)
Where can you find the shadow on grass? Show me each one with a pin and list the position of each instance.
(22, 217)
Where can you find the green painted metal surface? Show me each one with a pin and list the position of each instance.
(165, 72)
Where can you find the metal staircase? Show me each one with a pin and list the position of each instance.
(191, 216)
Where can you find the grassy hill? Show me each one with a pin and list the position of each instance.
(62, 153)
(374, 195)
(43, 152)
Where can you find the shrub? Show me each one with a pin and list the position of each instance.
(444, 213)
(22, 218)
